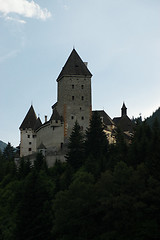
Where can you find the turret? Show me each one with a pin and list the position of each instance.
(28, 134)
(123, 110)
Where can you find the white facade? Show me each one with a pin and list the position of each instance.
(51, 135)
(27, 142)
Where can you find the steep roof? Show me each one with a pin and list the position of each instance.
(37, 124)
(74, 67)
(124, 123)
(106, 119)
(29, 120)
(55, 115)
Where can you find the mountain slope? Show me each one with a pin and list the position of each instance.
(156, 115)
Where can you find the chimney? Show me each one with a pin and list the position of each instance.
(45, 118)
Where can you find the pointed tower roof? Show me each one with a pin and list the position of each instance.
(29, 120)
(37, 124)
(74, 67)
(55, 115)
(123, 110)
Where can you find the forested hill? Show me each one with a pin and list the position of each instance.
(2, 145)
(156, 115)
(102, 191)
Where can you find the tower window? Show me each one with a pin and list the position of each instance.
(28, 136)
(82, 86)
(82, 118)
(72, 86)
(72, 97)
(29, 149)
(82, 98)
(80, 108)
(30, 143)
(72, 117)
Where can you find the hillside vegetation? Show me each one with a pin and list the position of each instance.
(102, 191)
(2, 145)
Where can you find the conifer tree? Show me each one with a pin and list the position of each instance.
(8, 152)
(96, 143)
(75, 153)
(96, 146)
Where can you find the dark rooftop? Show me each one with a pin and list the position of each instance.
(29, 120)
(106, 119)
(74, 67)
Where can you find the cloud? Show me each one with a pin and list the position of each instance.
(24, 8)
(15, 19)
(8, 55)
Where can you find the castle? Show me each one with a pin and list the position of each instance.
(74, 103)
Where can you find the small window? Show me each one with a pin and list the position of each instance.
(72, 97)
(29, 149)
(80, 108)
(34, 136)
(82, 118)
(72, 117)
(28, 136)
(72, 86)
(56, 121)
(30, 143)
(82, 98)
(82, 86)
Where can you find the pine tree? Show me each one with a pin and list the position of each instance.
(9, 152)
(96, 143)
(96, 146)
(75, 153)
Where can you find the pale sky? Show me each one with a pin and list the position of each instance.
(120, 40)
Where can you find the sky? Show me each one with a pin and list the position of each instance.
(120, 40)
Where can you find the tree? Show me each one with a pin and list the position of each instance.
(9, 152)
(96, 143)
(96, 146)
(73, 209)
(75, 153)
(34, 216)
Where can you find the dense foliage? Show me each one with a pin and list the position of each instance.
(102, 191)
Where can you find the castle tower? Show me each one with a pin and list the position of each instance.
(74, 93)
(28, 134)
(123, 110)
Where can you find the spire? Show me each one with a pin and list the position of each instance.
(123, 110)
(29, 120)
(74, 67)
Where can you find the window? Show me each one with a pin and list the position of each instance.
(28, 136)
(72, 86)
(29, 149)
(82, 86)
(72, 97)
(82, 118)
(34, 136)
(101, 119)
(80, 108)
(72, 117)
(30, 143)
(82, 98)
